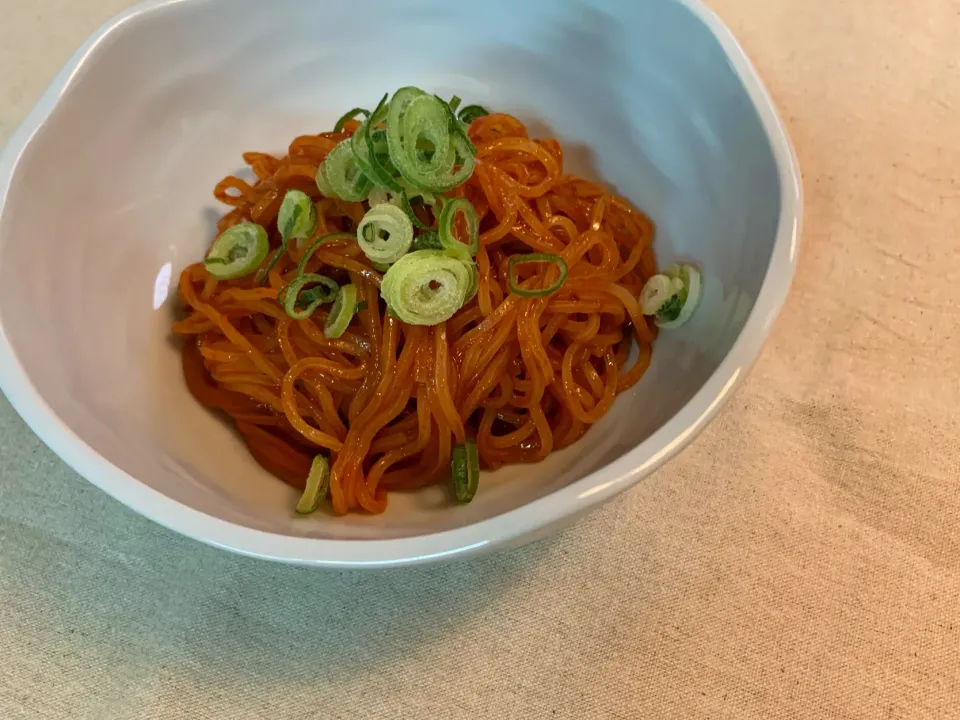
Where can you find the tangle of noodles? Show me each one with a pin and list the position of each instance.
(387, 401)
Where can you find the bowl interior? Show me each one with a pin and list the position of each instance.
(113, 197)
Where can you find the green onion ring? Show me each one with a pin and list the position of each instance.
(274, 259)
(426, 287)
(395, 223)
(556, 260)
(472, 112)
(688, 289)
(317, 487)
(425, 118)
(237, 252)
(297, 217)
(344, 175)
(429, 240)
(294, 295)
(474, 284)
(347, 116)
(342, 312)
(382, 196)
(455, 102)
(365, 152)
(323, 185)
(448, 216)
(465, 470)
(296, 220)
(656, 293)
(458, 128)
(408, 208)
(414, 115)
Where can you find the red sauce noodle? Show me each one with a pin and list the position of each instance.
(387, 401)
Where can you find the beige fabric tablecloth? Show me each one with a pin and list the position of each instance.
(800, 560)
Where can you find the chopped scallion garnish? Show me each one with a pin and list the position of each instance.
(301, 301)
(421, 146)
(385, 234)
(429, 240)
(347, 117)
(448, 216)
(465, 470)
(555, 260)
(471, 113)
(342, 312)
(297, 217)
(342, 175)
(237, 252)
(672, 296)
(427, 287)
(317, 487)
(369, 147)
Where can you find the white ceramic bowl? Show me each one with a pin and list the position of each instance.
(106, 195)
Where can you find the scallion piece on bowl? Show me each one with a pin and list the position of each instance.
(672, 296)
(317, 487)
(465, 470)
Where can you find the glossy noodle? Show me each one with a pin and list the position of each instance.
(387, 402)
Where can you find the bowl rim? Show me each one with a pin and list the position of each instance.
(574, 499)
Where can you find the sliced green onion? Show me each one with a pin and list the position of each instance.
(423, 138)
(474, 284)
(367, 153)
(318, 485)
(408, 209)
(426, 287)
(297, 217)
(556, 260)
(465, 470)
(464, 152)
(672, 296)
(296, 220)
(238, 251)
(347, 117)
(458, 128)
(471, 113)
(420, 143)
(323, 185)
(342, 312)
(427, 197)
(329, 237)
(429, 240)
(388, 220)
(380, 267)
(448, 216)
(274, 259)
(380, 196)
(301, 302)
(455, 102)
(656, 293)
(344, 176)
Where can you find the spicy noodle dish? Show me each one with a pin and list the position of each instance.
(416, 296)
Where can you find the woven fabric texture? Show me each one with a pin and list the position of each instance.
(800, 560)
